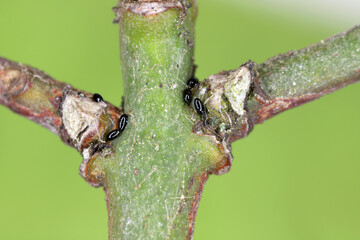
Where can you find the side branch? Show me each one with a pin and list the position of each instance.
(72, 114)
(297, 77)
(32, 94)
(239, 99)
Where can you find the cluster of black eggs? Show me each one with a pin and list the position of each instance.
(199, 106)
(122, 121)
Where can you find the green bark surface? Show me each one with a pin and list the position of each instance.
(328, 64)
(297, 77)
(155, 177)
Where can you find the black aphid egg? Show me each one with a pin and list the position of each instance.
(192, 82)
(97, 97)
(187, 96)
(199, 106)
(113, 134)
(123, 122)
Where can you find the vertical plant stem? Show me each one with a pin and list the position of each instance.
(155, 177)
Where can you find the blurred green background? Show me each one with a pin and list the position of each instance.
(295, 177)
